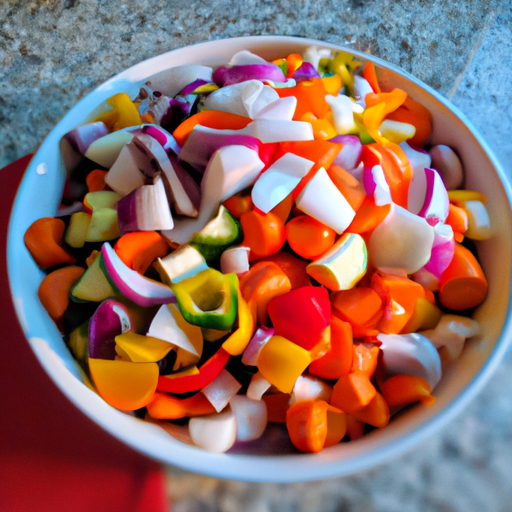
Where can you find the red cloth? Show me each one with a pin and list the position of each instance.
(52, 457)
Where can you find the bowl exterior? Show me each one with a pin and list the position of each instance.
(271, 459)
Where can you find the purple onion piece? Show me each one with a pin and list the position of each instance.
(349, 156)
(178, 110)
(306, 71)
(127, 213)
(190, 88)
(236, 74)
(83, 136)
(110, 319)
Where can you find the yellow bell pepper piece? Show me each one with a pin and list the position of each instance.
(121, 113)
(425, 316)
(143, 349)
(281, 362)
(237, 342)
(122, 384)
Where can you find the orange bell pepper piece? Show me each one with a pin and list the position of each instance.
(306, 422)
(167, 407)
(210, 119)
(463, 284)
(399, 294)
(352, 392)
(419, 116)
(43, 238)
(264, 233)
(322, 128)
(368, 217)
(458, 220)
(361, 307)
(310, 96)
(338, 359)
(139, 249)
(406, 389)
(293, 62)
(371, 76)
(54, 290)
(264, 281)
(375, 413)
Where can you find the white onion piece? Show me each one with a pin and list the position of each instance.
(106, 150)
(245, 99)
(402, 243)
(221, 390)
(443, 250)
(310, 388)
(411, 354)
(479, 224)
(251, 417)
(186, 261)
(322, 200)
(214, 432)
(235, 259)
(451, 333)
(257, 387)
(418, 158)
(172, 80)
(277, 130)
(449, 166)
(282, 108)
(349, 156)
(342, 109)
(376, 185)
(230, 170)
(279, 180)
(252, 351)
(361, 88)
(426, 279)
(245, 57)
(164, 327)
(313, 54)
(436, 204)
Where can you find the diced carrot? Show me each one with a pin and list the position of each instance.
(167, 407)
(365, 358)
(43, 238)
(306, 422)
(463, 284)
(350, 187)
(336, 426)
(375, 413)
(264, 281)
(210, 119)
(406, 389)
(355, 427)
(292, 266)
(338, 359)
(277, 405)
(264, 233)
(54, 290)
(140, 248)
(457, 219)
(95, 180)
(399, 294)
(361, 307)
(352, 392)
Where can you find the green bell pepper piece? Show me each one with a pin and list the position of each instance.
(208, 299)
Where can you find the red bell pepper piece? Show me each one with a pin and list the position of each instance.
(207, 373)
(302, 315)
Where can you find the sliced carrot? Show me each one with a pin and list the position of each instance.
(399, 294)
(338, 359)
(264, 233)
(140, 248)
(352, 392)
(371, 76)
(361, 307)
(350, 187)
(43, 238)
(95, 180)
(264, 281)
(463, 284)
(292, 266)
(210, 119)
(306, 422)
(167, 407)
(406, 389)
(277, 405)
(54, 290)
(336, 426)
(365, 358)
(419, 116)
(375, 413)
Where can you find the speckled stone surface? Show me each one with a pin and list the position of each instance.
(52, 52)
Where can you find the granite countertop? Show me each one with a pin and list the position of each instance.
(52, 52)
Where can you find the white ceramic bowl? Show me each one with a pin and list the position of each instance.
(269, 459)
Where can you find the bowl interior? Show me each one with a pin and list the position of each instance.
(271, 458)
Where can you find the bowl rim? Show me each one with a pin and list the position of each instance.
(245, 467)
